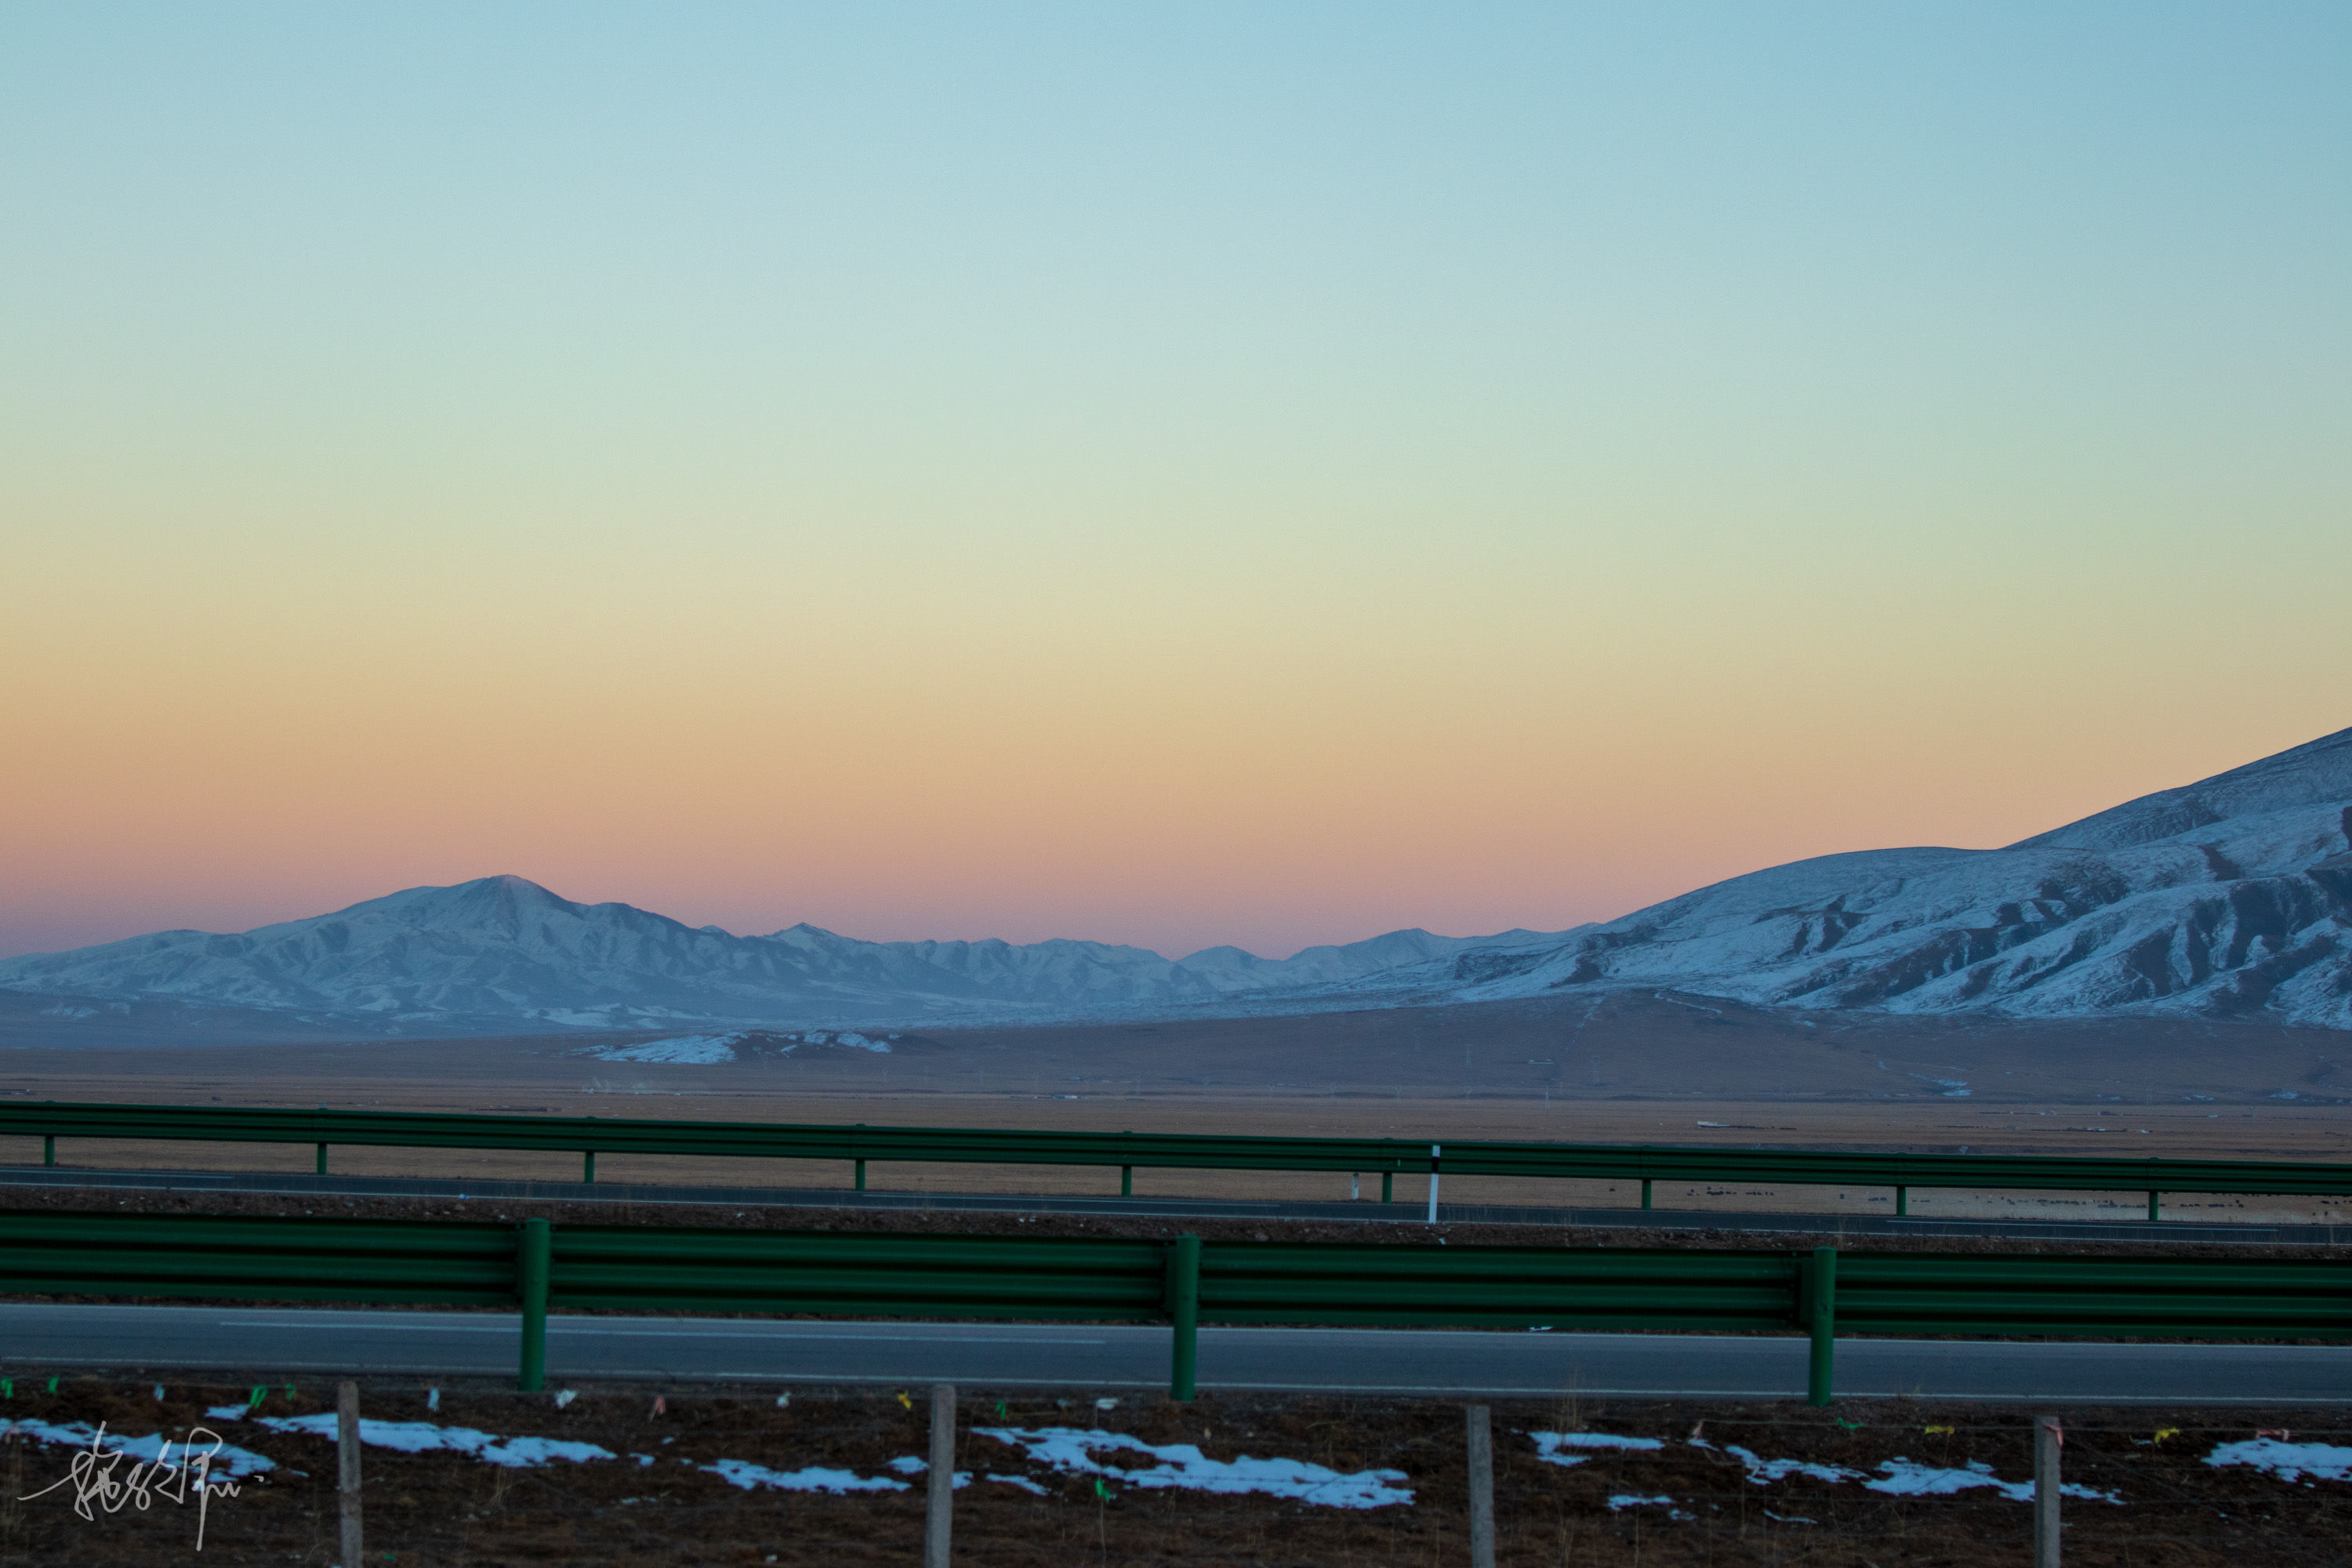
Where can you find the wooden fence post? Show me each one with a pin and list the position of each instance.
(1482, 1487)
(942, 1497)
(2047, 1439)
(347, 1486)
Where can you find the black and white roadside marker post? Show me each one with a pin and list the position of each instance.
(1482, 1487)
(941, 1494)
(2048, 1439)
(346, 1473)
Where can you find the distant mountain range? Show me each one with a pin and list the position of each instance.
(2231, 896)
(503, 952)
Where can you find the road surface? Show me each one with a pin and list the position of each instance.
(274, 1342)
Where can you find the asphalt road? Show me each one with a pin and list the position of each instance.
(41, 1339)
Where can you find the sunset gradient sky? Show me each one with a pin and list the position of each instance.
(1172, 474)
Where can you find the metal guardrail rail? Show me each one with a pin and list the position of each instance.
(535, 1267)
(589, 1135)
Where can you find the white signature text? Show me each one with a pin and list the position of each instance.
(99, 1480)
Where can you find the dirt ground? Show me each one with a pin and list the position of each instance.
(1554, 1063)
(1701, 1503)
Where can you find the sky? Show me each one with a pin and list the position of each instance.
(1174, 474)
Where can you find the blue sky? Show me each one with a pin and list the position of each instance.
(1175, 474)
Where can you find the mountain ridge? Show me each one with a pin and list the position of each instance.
(2229, 896)
(505, 946)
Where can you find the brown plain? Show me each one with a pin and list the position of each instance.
(1623, 1068)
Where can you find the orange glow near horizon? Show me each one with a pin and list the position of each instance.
(940, 783)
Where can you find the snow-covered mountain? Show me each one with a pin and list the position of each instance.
(2228, 897)
(505, 950)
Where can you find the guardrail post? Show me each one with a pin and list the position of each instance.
(1645, 1191)
(2047, 1438)
(1433, 1153)
(1387, 1186)
(1820, 1319)
(1184, 1312)
(322, 1159)
(588, 1166)
(1126, 1181)
(2152, 1198)
(861, 1175)
(938, 1513)
(1902, 1202)
(48, 1147)
(535, 1247)
(1482, 1487)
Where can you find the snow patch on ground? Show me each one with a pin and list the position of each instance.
(1181, 1465)
(528, 1452)
(2287, 1461)
(154, 1447)
(425, 1438)
(1900, 1477)
(1549, 1446)
(907, 1465)
(1624, 1501)
(815, 1478)
(1763, 1472)
(697, 1050)
(1903, 1479)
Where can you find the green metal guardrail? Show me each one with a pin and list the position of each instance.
(535, 1267)
(590, 1135)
